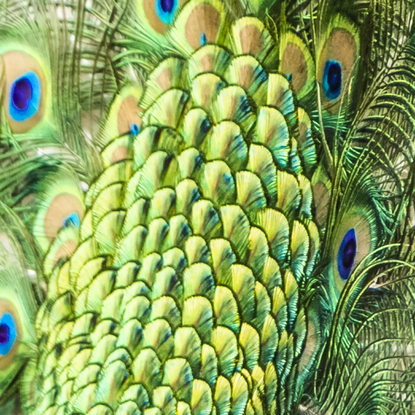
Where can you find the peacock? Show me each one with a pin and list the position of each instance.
(207, 207)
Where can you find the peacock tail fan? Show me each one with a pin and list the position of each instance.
(245, 246)
(366, 365)
(42, 137)
(19, 300)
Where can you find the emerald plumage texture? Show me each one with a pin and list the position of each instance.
(217, 206)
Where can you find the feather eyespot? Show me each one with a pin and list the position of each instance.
(25, 90)
(203, 23)
(59, 204)
(65, 208)
(296, 64)
(127, 117)
(332, 79)
(166, 10)
(8, 333)
(25, 97)
(347, 254)
(337, 57)
(354, 239)
(160, 14)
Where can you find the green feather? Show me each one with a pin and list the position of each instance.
(245, 242)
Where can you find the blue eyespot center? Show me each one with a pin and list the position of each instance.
(72, 219)
(25, 97)
(167, 5)
(203, 39)
(4, 333)
(135, 129)
(347, 254)
(22, 94)
(8, 333)
(166, 10)
(332, 79)
(289, 77)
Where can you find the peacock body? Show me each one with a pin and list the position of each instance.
(246, 245)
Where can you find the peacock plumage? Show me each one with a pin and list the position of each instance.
(207, 207)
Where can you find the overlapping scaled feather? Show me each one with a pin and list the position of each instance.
(242, 250)
(195, 244)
